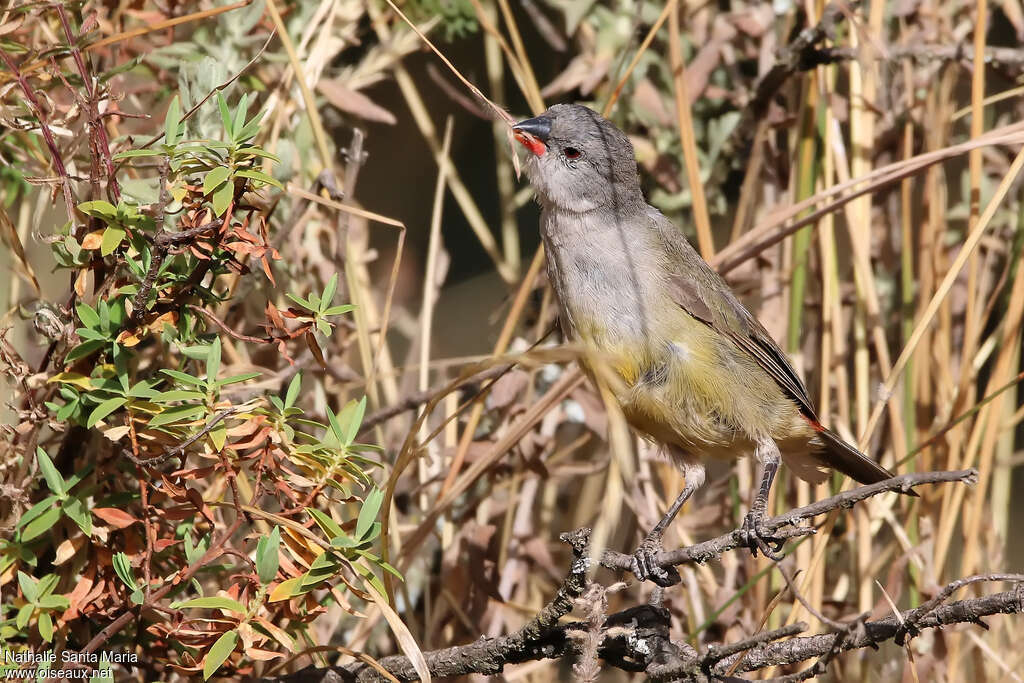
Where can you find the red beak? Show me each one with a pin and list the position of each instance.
(533, 134)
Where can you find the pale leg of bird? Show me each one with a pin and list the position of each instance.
(645, 564)
(753, 524)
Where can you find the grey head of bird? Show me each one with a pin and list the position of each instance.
(579, 161)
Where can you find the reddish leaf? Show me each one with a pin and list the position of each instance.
(315, 349)
(162, 544)
(118, 519)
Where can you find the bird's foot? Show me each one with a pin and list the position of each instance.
(645, 563)
(759, 537)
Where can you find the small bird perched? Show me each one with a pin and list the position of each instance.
(698, 372)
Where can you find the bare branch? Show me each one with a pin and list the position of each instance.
(709, 550)
(637, 639)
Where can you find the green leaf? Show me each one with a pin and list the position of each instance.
(329, 292)
(75, 509)
(351, 417)
(183, 377)
(324, 328)
(53, 602)
(214, 178)
(67, 410)
(47, 584)
(121, 68)
(370, 577)
(172, 121)
(267, 559)
(196, 352)
(219, 652)
(389, 569)
(24, 614)
(177, 414)
(260, 176)
(213, 361)
(322, 568)
(54, 481)
(225, 115)
(240, 111)
(235, 379)
(300, 301)
(41, 524)
(136, 153)
(112, 238)
(219, 436)
(336, 428)
(293, 390)
(74, 378)
(222, 198)
(343, 542)
(338, 310)
(120, 355)
(368, 513)
(104, 409)
(87, 333)
(78, 476)
(258, 152)
(176, 395)
(212, 602)
(325, 522)
(29, 587)
(250, 129)
(99, 209)
(87, 314)
(372, 533)
(83, 350)
(45, 625)
(123, 569)
(193, 553)
(287, 589)
(35, 511)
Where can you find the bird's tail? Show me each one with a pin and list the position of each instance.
(842, 456)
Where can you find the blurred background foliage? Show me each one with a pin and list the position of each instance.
(417, 266)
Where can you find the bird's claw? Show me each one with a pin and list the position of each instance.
(645, 563)
(758, 537)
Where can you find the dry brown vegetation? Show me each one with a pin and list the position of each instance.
(201, 203)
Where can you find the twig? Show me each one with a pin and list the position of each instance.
(499, 113)
(455, 95)
(99, 144)
(162, 243)
(717, 653)
(186, 573)
(187, 115)
(51, 143)
(230, 332)
(875, 632)
(636, 639)
(416, 399)
(994, 56)
(708, 550)
(909, 624)
(179, 450)
(489, 655)
(789, 61)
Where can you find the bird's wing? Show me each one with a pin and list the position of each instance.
(703, 293)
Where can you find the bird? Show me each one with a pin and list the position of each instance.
(696, 371)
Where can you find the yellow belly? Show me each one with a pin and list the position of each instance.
(686, 386)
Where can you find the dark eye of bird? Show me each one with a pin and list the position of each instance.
(572, 153)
